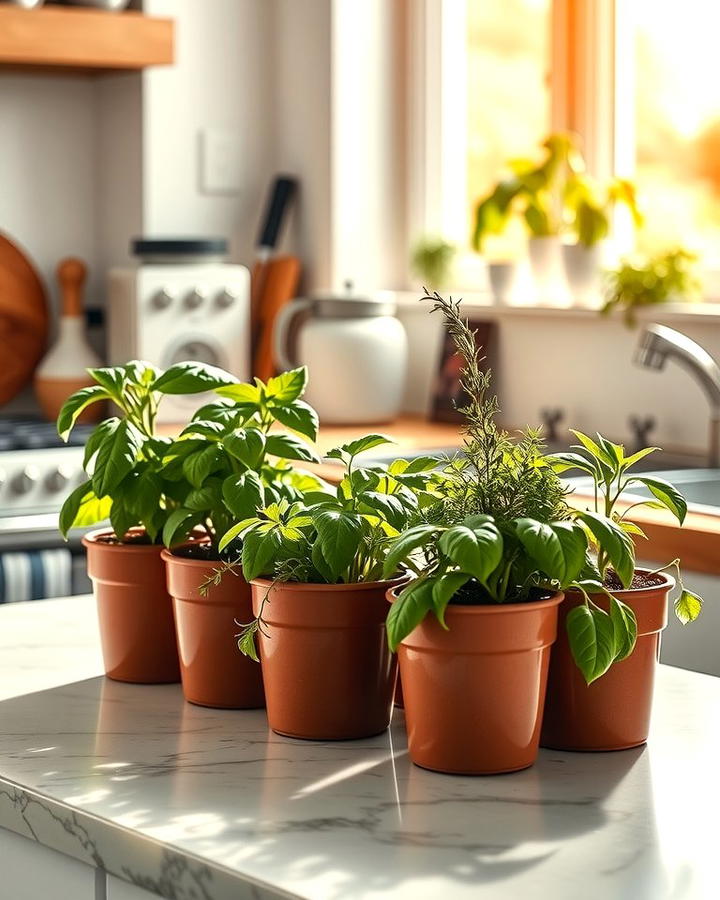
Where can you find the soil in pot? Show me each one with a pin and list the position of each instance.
(137, 628)
(474, 694)
(327, 668)
(612, 713)
(214, 671)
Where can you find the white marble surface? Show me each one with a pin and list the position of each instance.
(198, 804)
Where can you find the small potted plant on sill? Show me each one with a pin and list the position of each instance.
(534, 192)
(650, 281)
(316, 568)
(124, 463)
(225, 465)
(600, 686)
(474, 625)
(588, 207)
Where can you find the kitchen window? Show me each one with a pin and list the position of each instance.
(630, 78)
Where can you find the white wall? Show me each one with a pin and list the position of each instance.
(222, 79)
(47, 160)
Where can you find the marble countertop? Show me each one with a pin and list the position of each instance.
(199, 804)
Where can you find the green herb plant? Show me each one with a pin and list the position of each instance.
(499, 530)
(124, 458)
(432, 260)
(531, 190)
(611, 531)
(228, 462)
(339, 537)
(588, 206)
(651, 281)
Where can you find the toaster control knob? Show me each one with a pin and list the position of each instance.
(162, 299)
(195, 298)
(25, 480)
(58, 479)
(226, 298)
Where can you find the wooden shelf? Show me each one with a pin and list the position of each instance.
(91, 41)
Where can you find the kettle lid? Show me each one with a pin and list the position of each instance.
(352, 306)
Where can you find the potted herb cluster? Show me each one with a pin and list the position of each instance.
(124, 462)
(225, 465)
(585, 711)
(317, 568)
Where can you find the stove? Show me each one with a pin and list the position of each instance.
(37, 472)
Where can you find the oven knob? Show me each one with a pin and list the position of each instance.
(58, 479)
(24, 481)
(195, 298)
(226, 298)
(162, 299)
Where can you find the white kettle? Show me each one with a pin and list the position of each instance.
(356, 353)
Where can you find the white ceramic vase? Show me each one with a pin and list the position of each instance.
(502, 277)
(547, 270)
(583, 271)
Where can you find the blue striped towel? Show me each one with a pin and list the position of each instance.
(35, 574)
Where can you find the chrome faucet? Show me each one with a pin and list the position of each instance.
(658, 343)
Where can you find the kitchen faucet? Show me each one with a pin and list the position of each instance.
(658, 343)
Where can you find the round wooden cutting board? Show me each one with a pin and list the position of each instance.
(24, 319)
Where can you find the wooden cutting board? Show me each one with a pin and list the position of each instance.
(24, 319)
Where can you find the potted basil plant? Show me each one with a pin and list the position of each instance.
(583, 710)
(124, 462)
(316, 569)
(225, 465)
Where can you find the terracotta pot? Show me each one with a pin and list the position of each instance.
(137, 630)
(474, 694)
(327, 668)
(214, 672)
(612, 713)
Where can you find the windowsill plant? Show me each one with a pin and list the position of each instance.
(316, 568)
(225, 465)
(125, 483)
(583, 710)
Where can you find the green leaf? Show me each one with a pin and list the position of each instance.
(179, 525)
(338, 534)
(259, 553)
(595, 449)
(246, 444)
(359, 446)
(287, 446)
(558, 548)
(244, 494)
(243, 394)
(82, 508)
(624, 628)
(387, 506)
(444, 589)
(561, 462)
(477, 551)
(192, 378)
(121, 518)
(75, 404)
(592, 642)
(666, 493)
(246, 641)
(116, 457)
(405, 545)
(207, 428)
(110, 378)
(198, 466)
(205, 499)
(612, 539)
(408, 610)
(97, 438)
(414, 466)
(237, 529)
(297, 415)
(288, 386)
(636, 457)
(688, 606)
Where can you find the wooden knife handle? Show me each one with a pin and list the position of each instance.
(71, 275)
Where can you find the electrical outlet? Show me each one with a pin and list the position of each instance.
(220, 161)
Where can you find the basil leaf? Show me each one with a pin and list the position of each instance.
(179, 525)
(613, 540)
(247, 445)
(444, 589)
(297, 415)
(288, 386)
(624, 628)
(287, 446)
(666, 493)
(192, 378)
(404, 545)
(83, 508)
(199, 465)
(259, 553)
(339, 534)
(688, 606)
(592, 640)
(408, 610)
(75, 404)
(116, 457)
(476, 551)
(244, 494)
